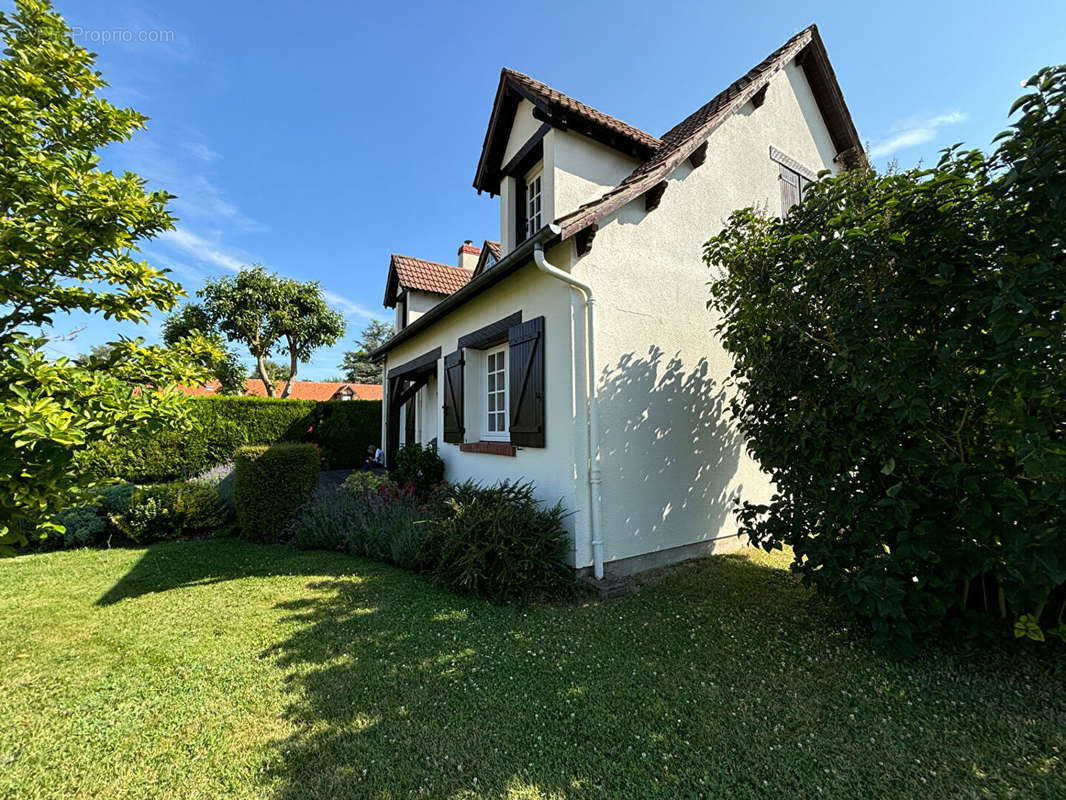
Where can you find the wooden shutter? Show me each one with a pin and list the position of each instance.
(526, 383)
(790, 190)
(453, 397)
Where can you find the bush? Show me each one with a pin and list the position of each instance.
(327, 522)
(272, 482)
(898, 347)
(115, 499)
(83, 527)
(343, 429)
(419, 466)
(167, 511)
(222, 479)
(359, 482)
(393, 524)
(498, 542)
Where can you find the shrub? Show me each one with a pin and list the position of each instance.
(222, 478)
(327, 522)
(83, 527)
(115, 499)
(419, 466)
(498, 542)
(359, 482)
(168, 511)
(393, 524)
(272, 482)
(898, 345)
(343, 429)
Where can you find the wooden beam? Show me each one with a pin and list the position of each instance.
(759, 97)
(515, 165)
(584, 240)
(698, 156)
(653, 196)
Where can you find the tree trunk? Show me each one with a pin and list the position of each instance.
(261, 369)
(292, 370)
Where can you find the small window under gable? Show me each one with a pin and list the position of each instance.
(795, 179)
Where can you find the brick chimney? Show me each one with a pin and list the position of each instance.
(468, 255)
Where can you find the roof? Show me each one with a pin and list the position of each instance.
(424, 276)
(676, 145)
(301, 390)
(489, 251)
(681, 141)
(553, 108)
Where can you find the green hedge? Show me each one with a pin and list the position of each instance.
(272, 482)
(341, 429)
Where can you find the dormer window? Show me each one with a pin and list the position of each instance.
(533, 201)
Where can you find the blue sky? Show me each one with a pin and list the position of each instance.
(319, 137)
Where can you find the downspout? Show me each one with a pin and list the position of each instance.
(592, 418)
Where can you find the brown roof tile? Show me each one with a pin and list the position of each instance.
(552, 96)
(494, 248)
(429, 276)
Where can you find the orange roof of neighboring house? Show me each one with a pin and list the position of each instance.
(301, 390)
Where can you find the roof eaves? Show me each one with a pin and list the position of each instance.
(511, 262)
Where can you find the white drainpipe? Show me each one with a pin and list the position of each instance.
(592, 418)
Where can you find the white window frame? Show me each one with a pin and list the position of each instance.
(534, 200)
(501, 395)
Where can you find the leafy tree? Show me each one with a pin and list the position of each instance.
(68, 242)
(275, 371)
(899, 347)
(356, 364)
(268, 313)
(192, 320)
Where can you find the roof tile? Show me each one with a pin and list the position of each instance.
(429, 276)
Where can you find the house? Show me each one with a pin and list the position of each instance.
(301, 390)
(583, 357)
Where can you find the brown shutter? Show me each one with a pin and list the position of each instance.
(790, 190)
(453, 397)
(526, 383)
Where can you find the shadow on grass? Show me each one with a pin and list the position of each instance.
(723, 678)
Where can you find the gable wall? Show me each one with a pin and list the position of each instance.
(584, 170)
(670, 459)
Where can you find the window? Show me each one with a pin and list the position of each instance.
(496, 394)
(533, 201)
(793, 187)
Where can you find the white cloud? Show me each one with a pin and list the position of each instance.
(911, 133)
(346, 306)
(203, 250)
(202, 151)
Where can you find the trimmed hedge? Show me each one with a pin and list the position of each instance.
(272, 482)
(342, 429)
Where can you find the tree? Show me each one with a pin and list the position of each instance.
(899, 348)
(275, 371)
(356, 364)
(192, 320)
(268, 313)
(68, 241)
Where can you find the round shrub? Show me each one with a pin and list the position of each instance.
(498, 542)
(359, 482)
(83, 527)
(271, 484)
(168, 511)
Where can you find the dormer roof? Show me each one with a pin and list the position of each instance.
(553, 109)
(407, 272)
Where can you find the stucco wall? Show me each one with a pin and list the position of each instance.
(418, 303)
(671, 461)
(584, 170)
(552, 468)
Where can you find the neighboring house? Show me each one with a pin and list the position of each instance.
(498, 368)
(301, 390)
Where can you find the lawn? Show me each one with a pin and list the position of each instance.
(226, 669)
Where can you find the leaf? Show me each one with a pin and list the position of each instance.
(1027, 627)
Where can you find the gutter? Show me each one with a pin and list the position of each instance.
(592, 416)
(512, 262)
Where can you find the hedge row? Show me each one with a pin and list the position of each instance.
(272, 482)
(341, 429)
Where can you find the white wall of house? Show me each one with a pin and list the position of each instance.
(672, 463)
(552, 468)
(584, 170)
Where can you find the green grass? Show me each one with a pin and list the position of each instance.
(225, 669)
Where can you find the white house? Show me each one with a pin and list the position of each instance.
(582, 356)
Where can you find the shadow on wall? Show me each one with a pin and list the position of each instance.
(668, 454)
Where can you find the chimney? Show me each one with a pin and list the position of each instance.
(468, 255)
